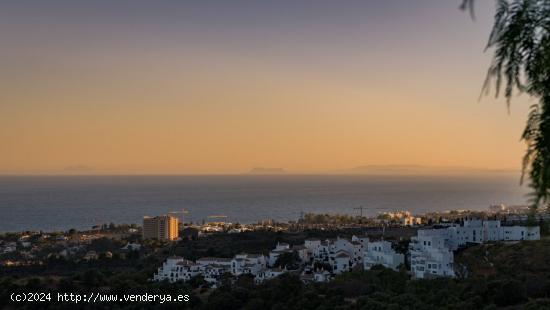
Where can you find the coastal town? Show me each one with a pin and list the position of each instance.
(431, 240)
(315, 253)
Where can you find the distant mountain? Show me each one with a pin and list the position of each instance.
(423, 170)
(261, 170)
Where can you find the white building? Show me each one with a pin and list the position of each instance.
(381, 253)
(328, 251)
(187, 270)
(205, 261)
(321, 253)
(312, 244)
(492, 231)
(403, 217)
(213, 268)
(248, 264)
(363, 240)
(321, 276)
(176, 268)
(267, 274)
(411, 221)
(132, 246)
(340, 253)
(359, 247)
(517, 233)
(431, 251)
(341, 244)
(431, 255)
(471, 231)
(477, 231)
(341, 262)
(214, 272)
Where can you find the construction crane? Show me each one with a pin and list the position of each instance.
(182, 212)
(360, 210)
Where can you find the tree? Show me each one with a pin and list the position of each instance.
(289, 260)
(520, 39)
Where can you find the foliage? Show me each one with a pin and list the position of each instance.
(520, 39)
(288, 260)
(336, 219)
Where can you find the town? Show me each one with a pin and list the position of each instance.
(430, 254)
(315, 253)
(501, 223)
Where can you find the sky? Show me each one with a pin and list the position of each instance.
(215, 87)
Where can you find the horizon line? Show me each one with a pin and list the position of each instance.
(401, 174)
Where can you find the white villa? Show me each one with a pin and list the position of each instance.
(341, 262)
(340, 253)
(176, 268)
(381, 253)
(248, 264)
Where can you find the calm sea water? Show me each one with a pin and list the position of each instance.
(63, 202)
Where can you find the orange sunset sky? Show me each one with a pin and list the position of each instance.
(223, 86)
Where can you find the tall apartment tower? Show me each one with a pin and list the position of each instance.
(163, 227)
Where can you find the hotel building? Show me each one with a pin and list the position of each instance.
(163, 227)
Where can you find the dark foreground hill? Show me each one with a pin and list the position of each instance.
(515, 259)
(495, 276)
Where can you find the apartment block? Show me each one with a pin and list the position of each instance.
(163, 228)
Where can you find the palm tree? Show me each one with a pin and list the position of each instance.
(520, 41)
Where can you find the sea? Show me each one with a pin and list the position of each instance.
(51, 203)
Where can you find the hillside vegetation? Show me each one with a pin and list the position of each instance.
(494, 276)
(518, 259)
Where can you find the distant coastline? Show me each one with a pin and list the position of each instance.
(427, 170)
(375, 170)
(267, 171)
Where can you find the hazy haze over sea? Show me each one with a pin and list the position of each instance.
(63, 202)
